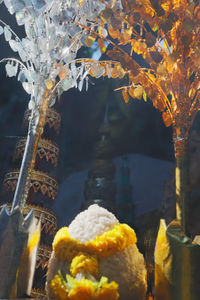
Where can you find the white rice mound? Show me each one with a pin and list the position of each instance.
(91, 222)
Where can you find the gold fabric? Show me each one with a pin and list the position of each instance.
(177, 265)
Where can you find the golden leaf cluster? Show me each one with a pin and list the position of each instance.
(157, 43)
(103, 68)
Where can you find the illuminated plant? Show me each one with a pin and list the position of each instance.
(157, 43)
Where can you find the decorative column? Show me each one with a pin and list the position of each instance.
(42, 192)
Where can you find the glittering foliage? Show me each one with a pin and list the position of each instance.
(46, 57)
(157, 43)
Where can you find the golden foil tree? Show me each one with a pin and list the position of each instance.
(157, 43)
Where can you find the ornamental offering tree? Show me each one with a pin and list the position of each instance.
(158, 45)
(47, 63)
(46, 66)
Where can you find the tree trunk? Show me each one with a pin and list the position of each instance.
(181, 146)
(24, 179)
(28, 162)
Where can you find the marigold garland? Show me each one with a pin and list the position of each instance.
(108, 291)
(83, 262)
(59, 290)
(84, 258)
(83, 289)
(106, 244)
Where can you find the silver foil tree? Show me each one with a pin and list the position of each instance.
(46, 66)
(47, 63)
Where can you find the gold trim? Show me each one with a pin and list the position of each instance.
(46, 149)
(38, 294)
(43, 256)
(53, 119)
(39, 181)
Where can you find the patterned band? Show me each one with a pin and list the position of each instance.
(46, 149)
(43, 256)
(53, 119)
(39, 181)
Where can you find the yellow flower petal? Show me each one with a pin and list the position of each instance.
(83, 291)
(84, 262)
(107, 291)
(59, 291)
(110, 242)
